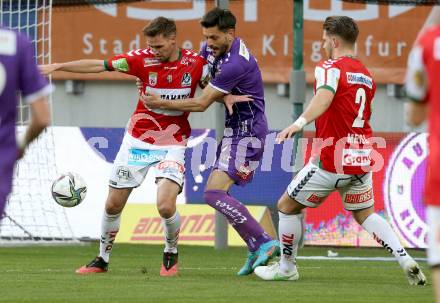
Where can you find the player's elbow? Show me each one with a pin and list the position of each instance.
(415, 114)
(414, 120)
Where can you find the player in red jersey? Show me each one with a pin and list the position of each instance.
(153, 138)
(341, 109)
(423, 88)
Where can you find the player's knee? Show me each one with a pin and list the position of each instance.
(282, 207)
(166, 208)
(289, 206)
(113, 207)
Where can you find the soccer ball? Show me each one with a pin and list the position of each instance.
(69, 189)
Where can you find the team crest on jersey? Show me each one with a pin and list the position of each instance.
(403, 189)
(152, 78)
(186, 79)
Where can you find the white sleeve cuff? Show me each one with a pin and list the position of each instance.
(218, 88)
(45, 91)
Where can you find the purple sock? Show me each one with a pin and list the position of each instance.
(239, 217)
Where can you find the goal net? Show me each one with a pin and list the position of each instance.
(31, 215)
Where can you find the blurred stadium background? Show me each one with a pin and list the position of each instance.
(91, 111)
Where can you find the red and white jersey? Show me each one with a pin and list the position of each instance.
(423, 85)
(170, 80)
(345, 126)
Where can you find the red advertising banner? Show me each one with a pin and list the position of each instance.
(386, 32)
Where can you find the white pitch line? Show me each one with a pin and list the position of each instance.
(381, 259)
(318, 258)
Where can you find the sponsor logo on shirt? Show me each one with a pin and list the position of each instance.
(403, 189)
(152, 78)
(186, 79)
(359, 78)
(357, 139)
(151, 62)
(120, 65)
(356, 157)
(175, 97)
(187, 61)
(169, 94)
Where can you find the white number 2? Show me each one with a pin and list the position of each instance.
(360, 98)
(2, 78)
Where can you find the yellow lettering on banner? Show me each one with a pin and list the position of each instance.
(141, 223)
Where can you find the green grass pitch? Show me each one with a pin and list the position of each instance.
(46, 274)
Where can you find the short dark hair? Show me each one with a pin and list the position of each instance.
(342, 26)
(222, 18)
(160, 25)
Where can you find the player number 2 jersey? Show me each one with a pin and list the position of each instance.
(175, 81)
(345, 125)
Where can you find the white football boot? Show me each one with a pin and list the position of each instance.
(413, 272)
(274, 273)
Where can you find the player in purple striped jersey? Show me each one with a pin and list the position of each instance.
(18, 72)
(235, 71)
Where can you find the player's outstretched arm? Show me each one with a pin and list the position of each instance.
(198, 104)
(78, 66)
(318, 105)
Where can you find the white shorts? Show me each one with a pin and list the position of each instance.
(312, 185)
(433, 218)
(136, 157)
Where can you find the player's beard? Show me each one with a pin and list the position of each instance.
(221, 49)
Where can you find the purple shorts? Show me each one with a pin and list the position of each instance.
(239, 158)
